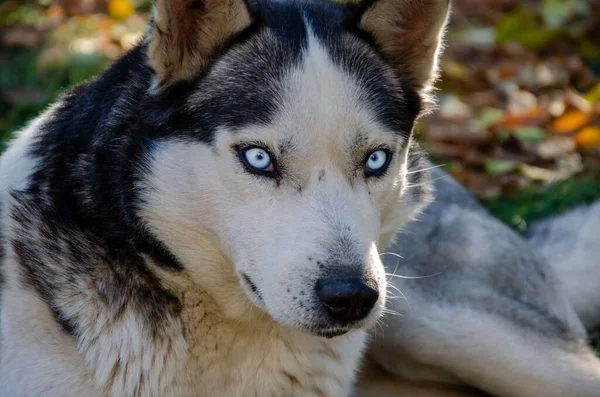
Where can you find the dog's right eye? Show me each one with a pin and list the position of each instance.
(258, 160)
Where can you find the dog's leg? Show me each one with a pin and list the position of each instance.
(490, 311)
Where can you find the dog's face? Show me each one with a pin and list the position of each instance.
(288, 163)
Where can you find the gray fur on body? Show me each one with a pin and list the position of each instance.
(485, 308)
(569, 242)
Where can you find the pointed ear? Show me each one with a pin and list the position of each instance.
(185, 33)
(409, 33)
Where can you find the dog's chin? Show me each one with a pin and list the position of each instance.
(330, 331)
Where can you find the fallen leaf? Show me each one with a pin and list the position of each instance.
(529, 134)
(21, 37)
(577, 101)
(512, 26)
(445, 150)
(538, 38)
(521, 101)
(557, 107)
(540, 174)
(555, 147)
(570, 121)
(594, 94)
(455, 70)
(588, 138)
(120, 9)
(451, 107)
(487, 118)
(555, 13)
(534, 116)
(55, 13)
(499, 167)
(456, 133)
(477, 36)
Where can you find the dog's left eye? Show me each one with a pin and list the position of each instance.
(377, 163)
(257, 160)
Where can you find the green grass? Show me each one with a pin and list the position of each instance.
(518, 210)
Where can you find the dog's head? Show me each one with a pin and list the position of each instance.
(281, 157)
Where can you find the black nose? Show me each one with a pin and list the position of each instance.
(346, 299)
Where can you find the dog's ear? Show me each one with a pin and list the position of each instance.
(183, 34)
(408, 32)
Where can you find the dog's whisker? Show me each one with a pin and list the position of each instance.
(402, 296)
(391, 253)
(426, 169)
(410, 186)
(392, 312)
(397, 262)
(392, 275)
(394, 297)
(428, 183)
(380, 323)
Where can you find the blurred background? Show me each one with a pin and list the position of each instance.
(518, 122)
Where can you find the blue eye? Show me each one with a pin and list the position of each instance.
(377, 163)
(258, 159)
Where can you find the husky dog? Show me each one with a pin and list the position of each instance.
(204, 218)
(207, 217)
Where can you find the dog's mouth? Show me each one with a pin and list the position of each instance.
(252, 286)
(331, 334)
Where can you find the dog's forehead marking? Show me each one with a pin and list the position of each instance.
(250, 84)
(324, 110)
(322, 121)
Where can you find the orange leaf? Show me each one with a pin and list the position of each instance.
(588, 138)
(534, 116)
(120, 9)
(54, 11)
(570, 121)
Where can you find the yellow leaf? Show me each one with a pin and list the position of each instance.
(594, 94)
(570, 121)
(588, 138)
(120, 9)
